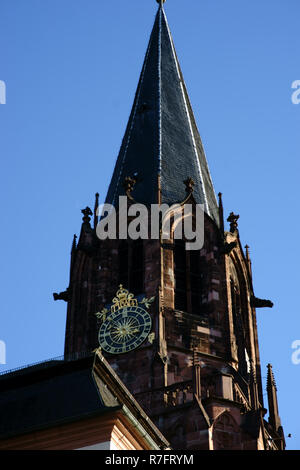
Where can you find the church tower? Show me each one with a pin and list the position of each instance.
(198, 374)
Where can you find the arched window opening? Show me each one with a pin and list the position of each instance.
(123, 263)
(136, 267)
(131, 265)
(180, 271)
(195, 281)
(187, 274)
(239, 329)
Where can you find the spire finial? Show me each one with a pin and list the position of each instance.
(86, 215)
(74, 243)
(248, 258)
(274, 418)
(189, 185)
(161, 2)
(270, 379)
(221, 213)
(96, 210)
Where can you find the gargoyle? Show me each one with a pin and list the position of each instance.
(62, 295)
(260, 303)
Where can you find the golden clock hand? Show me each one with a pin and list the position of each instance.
(110, 324)
(136, 330)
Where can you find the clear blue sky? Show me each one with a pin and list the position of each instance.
(71, 69)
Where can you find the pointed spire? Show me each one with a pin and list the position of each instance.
(196, 375)
(270, 379)
(248, 259)
(87, 239)
(96, 219)
(74, 244)
(162, 143)
(73, 254)
(274, 418)
(253, 387)
(221, 213)
(86, 215)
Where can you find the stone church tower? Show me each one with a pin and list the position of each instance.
(199, 378)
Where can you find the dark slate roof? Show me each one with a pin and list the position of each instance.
(61, 391)
(55, 393)
(161, 137)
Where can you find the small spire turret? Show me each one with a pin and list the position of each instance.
(74, 243)
(253, 386)
(73, 254)
(86, 215)
(96, 219)
(196, 375)
(248, 259)
(274, 418)
(221, 213)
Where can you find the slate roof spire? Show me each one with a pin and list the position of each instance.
(162, 147)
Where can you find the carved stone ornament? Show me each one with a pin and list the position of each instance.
(232, 219)
(86, 214)
(129, 184)
(189, 185)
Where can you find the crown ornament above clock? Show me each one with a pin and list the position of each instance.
(126, 324)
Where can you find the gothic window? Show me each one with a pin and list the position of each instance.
(195, 281)
(239, 327)
(188, 292)
(131, 265)
(136, 267)
(180, 272)
(123, 263)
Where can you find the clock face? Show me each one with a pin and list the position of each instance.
(125, 330)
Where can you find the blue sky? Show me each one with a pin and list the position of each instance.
(71, 69)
